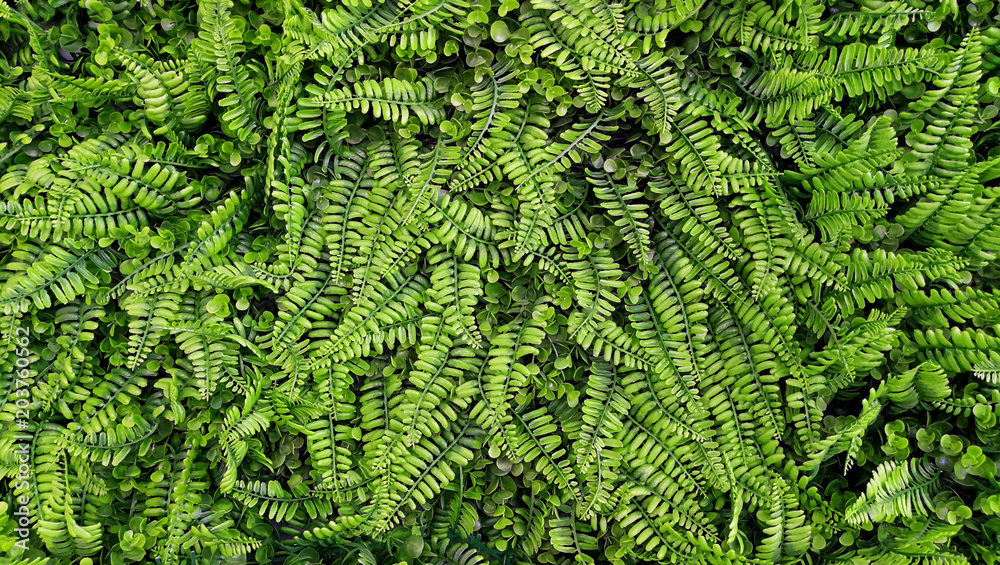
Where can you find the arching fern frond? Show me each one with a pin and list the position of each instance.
(896, 489)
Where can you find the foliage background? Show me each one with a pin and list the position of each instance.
(463, 281)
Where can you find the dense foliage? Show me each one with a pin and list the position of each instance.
(467, 281)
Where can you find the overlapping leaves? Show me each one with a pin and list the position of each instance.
(453, 282)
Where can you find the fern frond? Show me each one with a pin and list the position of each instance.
(389, 99)
(40, 276)
(944, 148)
(220, 43)
(895, 489)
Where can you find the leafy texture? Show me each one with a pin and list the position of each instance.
(465, 282)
